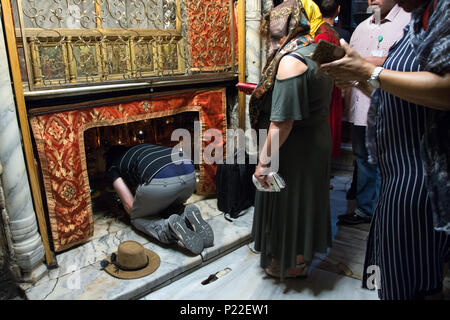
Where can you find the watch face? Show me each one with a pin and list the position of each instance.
(374, 83)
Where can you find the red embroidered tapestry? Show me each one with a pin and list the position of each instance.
(60, 142)
(210, 37)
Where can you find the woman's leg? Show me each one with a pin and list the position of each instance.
(300, 270)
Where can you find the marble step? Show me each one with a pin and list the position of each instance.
(79, 276)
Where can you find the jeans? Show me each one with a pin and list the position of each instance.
(156, 227)
(368, 176)
(150, 199)
(156, 201)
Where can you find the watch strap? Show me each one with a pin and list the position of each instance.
(376, 73)
(374, 80)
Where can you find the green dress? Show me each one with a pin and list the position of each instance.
(296, 221)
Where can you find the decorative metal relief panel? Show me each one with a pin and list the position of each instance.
(70, 42)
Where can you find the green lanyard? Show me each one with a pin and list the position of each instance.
(380, 38)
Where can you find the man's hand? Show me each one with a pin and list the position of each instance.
(350, 69)
(377, 61)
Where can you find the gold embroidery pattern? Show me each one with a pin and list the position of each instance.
(146, 106)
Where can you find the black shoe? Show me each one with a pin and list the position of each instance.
(352, 219)
(342, 216)
(195, 221)
(185, 236)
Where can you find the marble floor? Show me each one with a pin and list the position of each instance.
(247, 281)
(79, 275)
(232, 259)
(180, 275)
(243, 279)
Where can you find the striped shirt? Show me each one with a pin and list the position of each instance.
(141, 163)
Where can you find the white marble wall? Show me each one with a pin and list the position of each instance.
(255, 46)
(27, 245)
(252, 47)
(253, 40)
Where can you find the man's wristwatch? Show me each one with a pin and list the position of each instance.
(374, 80)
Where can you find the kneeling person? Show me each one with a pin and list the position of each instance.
(159, 183)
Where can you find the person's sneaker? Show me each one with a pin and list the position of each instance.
(195, 221)
(342, 216)
(185, 236)
(352, 219)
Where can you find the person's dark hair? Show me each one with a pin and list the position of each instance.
(277, 2)
(328, 8)
(114, 153)
(264, 26)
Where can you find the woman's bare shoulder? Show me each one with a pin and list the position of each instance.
(290, 67)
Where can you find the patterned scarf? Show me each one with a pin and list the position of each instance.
(430, 35)
(289, 29)
(430, 38)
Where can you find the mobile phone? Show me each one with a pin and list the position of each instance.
(275, 181)
(327, 52)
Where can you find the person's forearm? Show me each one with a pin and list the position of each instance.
(124, 194)
(423, 88)
(283, 129)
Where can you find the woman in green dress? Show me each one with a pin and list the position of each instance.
(292, 101)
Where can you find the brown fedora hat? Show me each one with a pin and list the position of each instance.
(131, 261)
